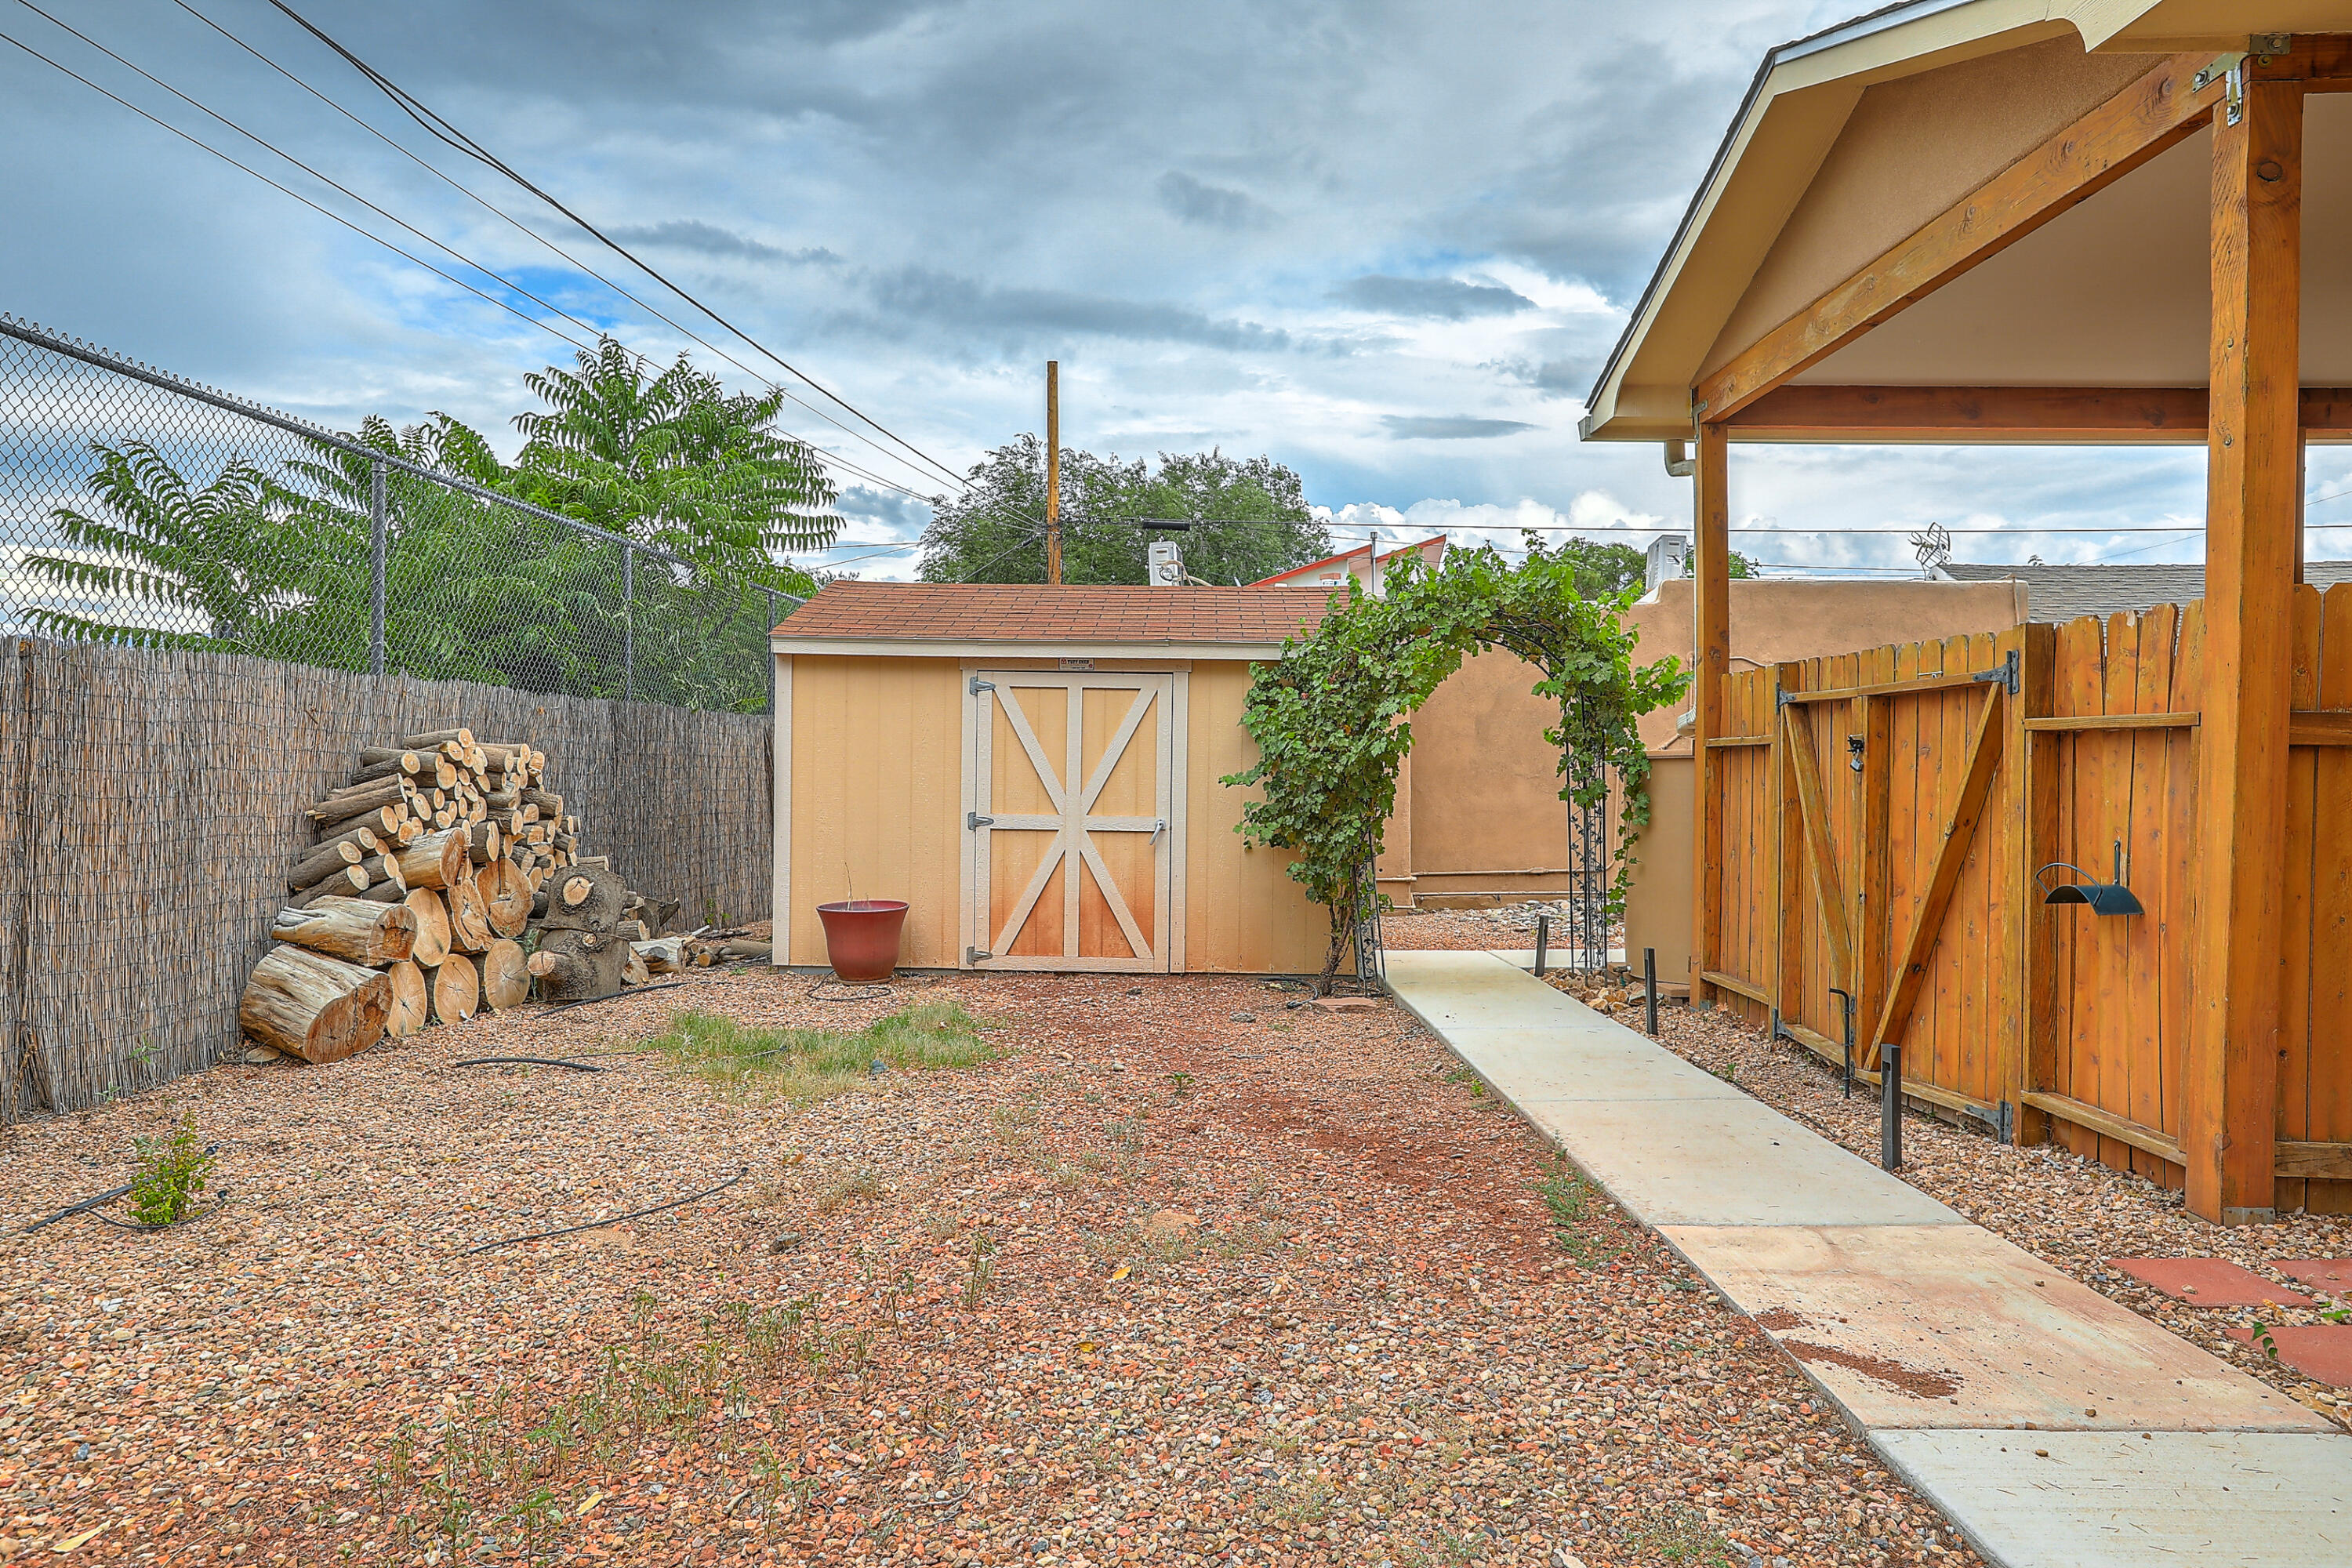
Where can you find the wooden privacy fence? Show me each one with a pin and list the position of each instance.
(151, 802)
(1890, 820)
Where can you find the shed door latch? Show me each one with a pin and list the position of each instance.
(974, 822)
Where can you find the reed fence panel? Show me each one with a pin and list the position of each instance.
(151, 802)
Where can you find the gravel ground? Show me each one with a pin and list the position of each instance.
(2072, 1212)
(1186, 1275)
(1471, 931)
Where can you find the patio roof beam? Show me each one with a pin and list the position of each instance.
(2161, 108)
(2055, 416)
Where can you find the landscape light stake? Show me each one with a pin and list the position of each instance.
(1846, 999)
(1890, 1107)
(1650, 989)
(1543, 941)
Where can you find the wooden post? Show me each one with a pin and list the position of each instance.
(1711, 666)
(2231, 1082)
(2033, 1062)
(1791, 929)
(1052, 470)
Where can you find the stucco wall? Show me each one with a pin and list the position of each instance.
(1488, 817)
(1775, 619)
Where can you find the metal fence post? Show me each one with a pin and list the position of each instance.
(375, 566)
(628, 624)
(772, 619)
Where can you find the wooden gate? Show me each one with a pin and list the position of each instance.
(1071, 784)
(1873, 860)
(1886, 814)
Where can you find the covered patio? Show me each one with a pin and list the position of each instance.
(2066, 223)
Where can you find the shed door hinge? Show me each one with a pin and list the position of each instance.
(974, 822)
(979, 686)
(974, 954)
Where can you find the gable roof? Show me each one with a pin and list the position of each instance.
(2062, 592)
(1800, 102)
(915, 618)
(1346, 557)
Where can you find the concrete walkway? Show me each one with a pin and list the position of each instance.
(2053, 1425)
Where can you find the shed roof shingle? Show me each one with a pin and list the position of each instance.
(1001, 612)
(2062, 592)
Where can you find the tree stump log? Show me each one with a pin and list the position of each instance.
(487, 842)
(469, 917)
(351, 928)
(455, 986)
(348, 882)
(313, 1006)
(432, 925)
(584, 898)
(505, 896)
(438, 859)
(433, 739)
(411, 1002)
(506, 975)
(634, 970)
(579, 966)
(663, 955)
(323, 862)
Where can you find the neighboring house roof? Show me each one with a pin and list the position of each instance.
(1333, 570)
(2062, 592)
(913, 616)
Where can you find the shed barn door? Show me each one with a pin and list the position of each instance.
(1071, 779)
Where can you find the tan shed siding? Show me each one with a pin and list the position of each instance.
(1242, 912)
(1911, 147)
(877, 784)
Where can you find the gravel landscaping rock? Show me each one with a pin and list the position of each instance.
(1146, 1289)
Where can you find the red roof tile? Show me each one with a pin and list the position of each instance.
(1004, 612)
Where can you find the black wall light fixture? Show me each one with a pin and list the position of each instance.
(2104, 898)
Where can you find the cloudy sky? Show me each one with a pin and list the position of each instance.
(1387, 241)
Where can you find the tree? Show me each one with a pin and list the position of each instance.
(677, 461)
(1333, 719)
(166, 563)
(995, 532)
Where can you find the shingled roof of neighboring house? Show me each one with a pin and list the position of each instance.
(2063, 592)
(1026, 612)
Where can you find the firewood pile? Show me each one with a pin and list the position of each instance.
(446, 877)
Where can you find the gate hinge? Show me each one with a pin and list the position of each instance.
(974, 954)
(2000, 1116)
(2005, 675)
(979, 686)
(974, 822)
(1781, 697)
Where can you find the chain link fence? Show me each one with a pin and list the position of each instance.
(138, 509)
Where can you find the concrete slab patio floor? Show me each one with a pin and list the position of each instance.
(2053, 1425)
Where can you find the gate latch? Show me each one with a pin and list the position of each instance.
(974, 822)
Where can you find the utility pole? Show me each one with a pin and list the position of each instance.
(1052, 472)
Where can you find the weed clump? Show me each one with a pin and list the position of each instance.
(814, 1063)
(172, 1172)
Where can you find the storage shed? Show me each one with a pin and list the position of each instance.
(1034, 770)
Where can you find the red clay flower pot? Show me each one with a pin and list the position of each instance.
(861, 938)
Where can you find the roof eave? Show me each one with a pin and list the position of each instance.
(989, 647)
(1849, 52)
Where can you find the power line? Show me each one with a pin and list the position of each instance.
(538, 238)
(449, 250)
(314, 206)
(441, 129)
